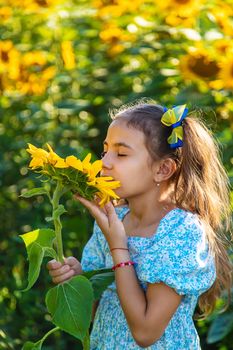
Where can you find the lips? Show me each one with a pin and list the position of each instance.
(108, 175)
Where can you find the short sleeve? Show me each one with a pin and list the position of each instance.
(180, 257)
(93, 255)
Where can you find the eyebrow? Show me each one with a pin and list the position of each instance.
(118, 144)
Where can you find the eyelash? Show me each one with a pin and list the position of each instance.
(119, 155)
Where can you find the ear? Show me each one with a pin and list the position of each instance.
(164, 169)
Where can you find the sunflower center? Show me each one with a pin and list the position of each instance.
(4, 56)
(182, 2)
(202, 67)
(41, 2)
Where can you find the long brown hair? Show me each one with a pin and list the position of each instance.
(201, 184)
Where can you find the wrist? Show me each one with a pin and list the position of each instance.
(118, 244)
(119, 256)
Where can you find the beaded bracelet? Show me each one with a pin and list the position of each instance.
(126, 263)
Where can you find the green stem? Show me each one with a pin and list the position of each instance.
(86, 342)
(57, 223)
(49, 332)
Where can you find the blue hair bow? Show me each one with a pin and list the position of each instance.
(173, 117)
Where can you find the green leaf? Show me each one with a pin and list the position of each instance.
(32, 346)
(89, 274)
(70, 305)
(34, 192)
(48, 219)
(101, 282)
(220, 327)
(38, 244)
(59, 211)
(37, 346)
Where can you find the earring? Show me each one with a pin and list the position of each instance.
(158, 184)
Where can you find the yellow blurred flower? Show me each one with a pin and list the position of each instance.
(5, 48)
(5, 13)
(199, 65)
(222, 11)
(33, 5)
(23, 73)
(221, 46)
(115, 37)
(225, 75)
(34, 58)
(68, 55)
(179, 12)
(116, 8)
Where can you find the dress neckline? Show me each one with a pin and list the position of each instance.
(164, 218)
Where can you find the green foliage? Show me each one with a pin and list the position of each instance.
(70, 305)
(72, 115)
(100, 282)
(39, 243)
(220, 328)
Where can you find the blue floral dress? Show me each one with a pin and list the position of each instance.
(177, 255)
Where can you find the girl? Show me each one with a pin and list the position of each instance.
(164, 245)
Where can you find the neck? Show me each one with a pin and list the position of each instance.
(149, 209)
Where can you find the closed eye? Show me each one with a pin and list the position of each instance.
(118, 155)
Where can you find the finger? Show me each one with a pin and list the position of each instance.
(111, 213)
(88, 204)
(98, 200)
(63, 278)
(71, 261)
(53, 264)
(59, 272)
(93, 208)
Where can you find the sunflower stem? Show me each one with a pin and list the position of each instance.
(86, 342)
(57, 222)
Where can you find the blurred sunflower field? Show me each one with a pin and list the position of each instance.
(63, 65)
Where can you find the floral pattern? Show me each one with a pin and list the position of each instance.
(177, 254)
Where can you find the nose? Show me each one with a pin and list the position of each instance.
(107, 163)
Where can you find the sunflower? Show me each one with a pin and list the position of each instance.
(5, 13)
(115, 37)
(78, 176)
(222, 46)
(226, 71)
(200, 66)
(116, 8)
(222, 11)
(180, 11)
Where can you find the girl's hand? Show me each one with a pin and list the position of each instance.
(108, 221)
(63, 272)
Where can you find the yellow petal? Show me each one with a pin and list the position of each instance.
(95, 168)
(36, 163)
(60, 163)
(86, 162)
(74, 162)
(49, 147)
(31, 148)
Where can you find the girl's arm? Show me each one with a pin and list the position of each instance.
(147, 314)
(94, 309)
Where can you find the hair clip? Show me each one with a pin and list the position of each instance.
(173, 117)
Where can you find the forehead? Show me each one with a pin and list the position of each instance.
(119, 132)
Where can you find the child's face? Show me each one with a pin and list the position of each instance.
(126, 159)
